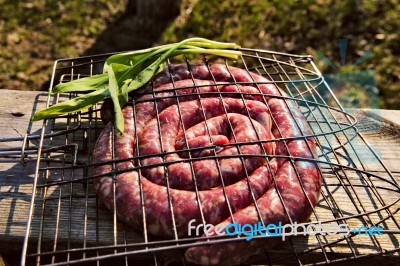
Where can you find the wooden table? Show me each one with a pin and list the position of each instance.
(381, 129)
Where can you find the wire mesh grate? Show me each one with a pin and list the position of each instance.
(70, 225)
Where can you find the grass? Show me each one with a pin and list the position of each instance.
(33, 34)
(310, 27)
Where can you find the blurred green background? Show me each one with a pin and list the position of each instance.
(35, 33)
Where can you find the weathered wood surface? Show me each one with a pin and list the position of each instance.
(16, 179)
(70, 216)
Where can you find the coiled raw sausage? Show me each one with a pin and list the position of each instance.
(210, 143)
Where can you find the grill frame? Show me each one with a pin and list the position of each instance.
(69, 141)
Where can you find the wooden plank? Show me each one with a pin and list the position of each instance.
(16, 179)
(16, 108)
(68, 215)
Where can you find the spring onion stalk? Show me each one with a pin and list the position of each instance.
(126, 72)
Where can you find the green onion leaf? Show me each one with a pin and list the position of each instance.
(91, 83)
(126, 72)
(130, 58)
(114, 92)
(72, 105)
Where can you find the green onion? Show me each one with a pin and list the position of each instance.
(126, 72)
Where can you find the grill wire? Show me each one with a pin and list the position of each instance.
(69, 225)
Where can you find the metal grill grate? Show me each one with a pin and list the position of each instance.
(69, 225)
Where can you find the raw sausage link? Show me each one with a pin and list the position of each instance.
(206, 171)
(187, 110)
(158, 215)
